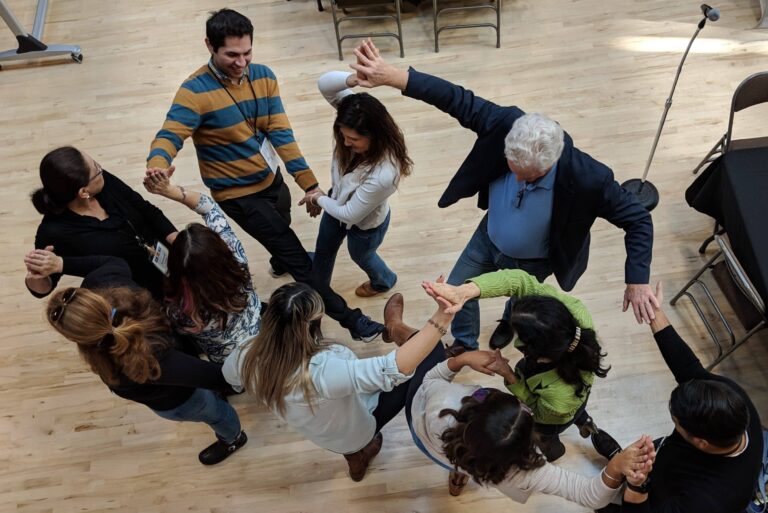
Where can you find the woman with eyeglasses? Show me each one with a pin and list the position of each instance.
(208, 294)
(124, 336)
(88, 211)
(322, 389)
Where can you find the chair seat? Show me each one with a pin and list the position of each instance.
(742, 144)
(346, 4)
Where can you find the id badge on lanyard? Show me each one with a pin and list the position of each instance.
(159, 257)
(269, 155)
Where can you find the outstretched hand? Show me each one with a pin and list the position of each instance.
(500, 366)
(310, 201)
(157, 180)
(478, 361)
(643, 302)
(452, 297)
(636, 461)
(373, 71)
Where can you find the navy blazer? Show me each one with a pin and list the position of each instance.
(584, 188)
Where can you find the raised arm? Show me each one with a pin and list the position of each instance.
(471, 111)
(336, 85)
(161, 226)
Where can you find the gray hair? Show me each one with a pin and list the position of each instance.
(534, 141)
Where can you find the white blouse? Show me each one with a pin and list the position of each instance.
(358, 198)
(438, 392)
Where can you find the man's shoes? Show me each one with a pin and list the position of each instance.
(367, 290)
(502, 335)
(456, 482)
(276, 273)
(587, 428)
(605, 445)
(219, 450)
(366, 329)
(455, 349)
(394, 328)
(358, 461)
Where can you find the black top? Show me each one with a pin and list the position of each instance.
(685, 479)
(180, 373)
(129, 215)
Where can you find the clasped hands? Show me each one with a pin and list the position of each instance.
(310, 201)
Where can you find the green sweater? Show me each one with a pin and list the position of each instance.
(552, 400)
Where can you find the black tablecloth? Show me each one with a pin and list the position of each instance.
(734, 190)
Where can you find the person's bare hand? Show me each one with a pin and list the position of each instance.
(310, 201)
(157, 181)
(500, 366)
(373, 71)
(478, 361)
(452, 297)
(635, 461)
(643, 301)
(41, 263)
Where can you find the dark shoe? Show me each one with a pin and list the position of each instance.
(367, 290)
(394, 328)
(219, 451)
(358, 461)
(456, 482)
(605, 445)
(455, 349)
(551, 447)
(276, 273)
(502, 335)
(366, 329)
(587, 428)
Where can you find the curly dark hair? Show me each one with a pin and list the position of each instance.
(491, 437)
(546, 327)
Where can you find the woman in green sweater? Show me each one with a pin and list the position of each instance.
(562, 356)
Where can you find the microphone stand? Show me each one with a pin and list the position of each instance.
(645, 191)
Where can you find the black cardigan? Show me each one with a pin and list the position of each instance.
(129, 215)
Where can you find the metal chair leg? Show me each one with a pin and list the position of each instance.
(737, 345)
(717, 148)
(716, 231)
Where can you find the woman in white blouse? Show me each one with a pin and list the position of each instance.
(321, 389)
(369, 158)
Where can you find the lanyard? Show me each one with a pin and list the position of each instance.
(252, 126)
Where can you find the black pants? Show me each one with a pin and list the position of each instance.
(390, 403)
(266, 216)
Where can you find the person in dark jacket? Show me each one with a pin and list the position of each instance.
(124, 336)
(88, 211)
(542, 196)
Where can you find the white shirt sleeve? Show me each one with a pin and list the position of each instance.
(377, 187)
(333, 86)
(335, 377)
(589, 492)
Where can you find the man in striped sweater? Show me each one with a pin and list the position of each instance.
(232, 110)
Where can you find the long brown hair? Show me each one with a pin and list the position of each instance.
(124, 343)
(368, 117)
(493, 433)
(204, 277)
(276, 361)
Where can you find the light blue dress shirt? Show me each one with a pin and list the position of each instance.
(520, 214)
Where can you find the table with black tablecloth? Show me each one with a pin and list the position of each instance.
(734, 190)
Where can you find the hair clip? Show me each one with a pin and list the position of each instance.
(575, 341)
(480, 394)
(106, 342)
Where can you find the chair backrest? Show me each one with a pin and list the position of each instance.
(753, 90)
(740, 276)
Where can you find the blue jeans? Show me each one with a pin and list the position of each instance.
(362, 245)
(480, 256)
(206, 406)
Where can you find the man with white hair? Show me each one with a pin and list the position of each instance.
(542, 196)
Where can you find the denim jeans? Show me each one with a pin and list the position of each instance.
(362, 246)
(206, 406)
(481, 256)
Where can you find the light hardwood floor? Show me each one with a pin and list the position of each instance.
(603, 69)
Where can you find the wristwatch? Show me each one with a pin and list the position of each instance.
(643, 488)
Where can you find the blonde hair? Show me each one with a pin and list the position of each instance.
(276, 361)
(124, 343)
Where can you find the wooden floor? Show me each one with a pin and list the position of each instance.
(603, 69)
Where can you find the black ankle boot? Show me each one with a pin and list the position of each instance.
(219, 451)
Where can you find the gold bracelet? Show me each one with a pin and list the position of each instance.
(606, 474)
(439, 328)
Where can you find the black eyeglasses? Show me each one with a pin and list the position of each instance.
(58, 312)
(101, 170)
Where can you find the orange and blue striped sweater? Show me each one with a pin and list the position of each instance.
(227, 150)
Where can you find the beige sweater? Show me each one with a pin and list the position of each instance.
(438, 392)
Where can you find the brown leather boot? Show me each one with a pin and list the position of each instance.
(456, 482)
(358, 461)
(394, 329)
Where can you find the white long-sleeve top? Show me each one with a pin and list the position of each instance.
(358, 198)
(341, 417)
(438, 392)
